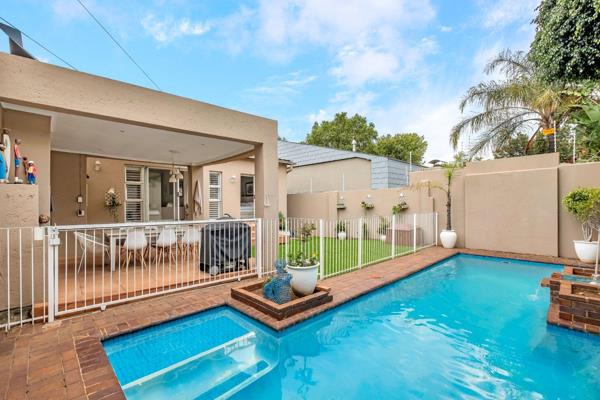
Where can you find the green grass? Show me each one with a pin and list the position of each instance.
(342, 255)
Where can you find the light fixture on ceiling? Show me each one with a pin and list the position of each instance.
(175, 173)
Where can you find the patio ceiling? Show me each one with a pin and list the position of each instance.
(84, 135)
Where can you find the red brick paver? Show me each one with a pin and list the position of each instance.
(65, 360)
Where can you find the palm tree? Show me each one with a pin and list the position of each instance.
(518, 103)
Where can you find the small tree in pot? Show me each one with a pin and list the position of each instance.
(447, 236)
(340, 228)
(584, 205)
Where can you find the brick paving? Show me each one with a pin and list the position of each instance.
(65, 360)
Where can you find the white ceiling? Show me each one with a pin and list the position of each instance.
(77, 134)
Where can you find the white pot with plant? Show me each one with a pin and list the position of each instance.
(341, 230)
(584, 205)
(448, 236)
(304, 271)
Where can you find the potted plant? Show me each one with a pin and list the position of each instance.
(383, 227)
(584, 205)
(400, 207)
(448, 236)
(304, 271)
(367, 206)
(112, 201)
(340, 228)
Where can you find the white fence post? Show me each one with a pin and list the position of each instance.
(53, 243)
(360, 241)
(321, 248)
(393, 235)
(259, 251)
(435, 233)
(286, 239)
(414, 233)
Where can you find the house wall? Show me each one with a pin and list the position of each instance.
(231, 190)
(35, 84)
(34, 131)
(511, 205)
(351, 174)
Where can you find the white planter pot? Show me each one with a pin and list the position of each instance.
(304, 279)
(382, 238)
(448, 239)
(342, 235)
(586, 251)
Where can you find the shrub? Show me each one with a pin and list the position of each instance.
(298, 259)
(340, 227)
(584, 205)
(383, 226)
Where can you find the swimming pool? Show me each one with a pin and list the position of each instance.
(469, 327)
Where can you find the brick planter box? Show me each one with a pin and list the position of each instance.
(251, 295)
(574, 305)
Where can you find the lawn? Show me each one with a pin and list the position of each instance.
(342, 255)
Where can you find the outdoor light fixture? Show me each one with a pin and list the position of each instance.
(97, 166)
(232, 179)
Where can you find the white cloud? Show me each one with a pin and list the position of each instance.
(500, 13)
(67, 10)
(282, 85)
(168, 29)
(359, 65)
(445, 28)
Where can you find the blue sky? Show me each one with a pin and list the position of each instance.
(404, 64)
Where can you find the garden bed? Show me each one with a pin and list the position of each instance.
(252, 296)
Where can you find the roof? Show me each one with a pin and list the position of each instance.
(306, 154)
(385, 172)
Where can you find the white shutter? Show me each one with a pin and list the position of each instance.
(214, 194)
(133, 194)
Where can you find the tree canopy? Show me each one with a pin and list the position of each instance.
(400, 146)
(567, 40)
(339, 133)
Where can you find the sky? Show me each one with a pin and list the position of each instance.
(403, 64)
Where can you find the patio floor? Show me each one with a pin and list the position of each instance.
(66, 360)
(97, 284)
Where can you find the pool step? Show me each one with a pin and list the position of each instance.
(227, 346)
(227, 388)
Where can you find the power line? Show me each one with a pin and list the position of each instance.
(39, 44)
(118, 44)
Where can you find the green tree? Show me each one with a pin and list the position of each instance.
(519, 103)
(567, 40)
(516, 146)
(401, 145)
(339, 133)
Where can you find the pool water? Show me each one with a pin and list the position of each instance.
(469, 327)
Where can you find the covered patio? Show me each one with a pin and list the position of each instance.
(88, 135)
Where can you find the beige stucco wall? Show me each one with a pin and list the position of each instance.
(20, 208)
(34, 130)
(572, 176)
(514, 211)
(31, 83)
(351, 174)
(508, 205)
(325, 204)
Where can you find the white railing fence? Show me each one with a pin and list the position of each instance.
(345, 245)
(61, 270)
(22, 276)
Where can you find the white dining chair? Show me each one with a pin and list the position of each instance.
(165, 243)
(90, 246)
(134, 245)
(190, 242)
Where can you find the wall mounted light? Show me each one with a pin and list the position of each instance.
(232, 179)
(97, 166)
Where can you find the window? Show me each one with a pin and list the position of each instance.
(133, 194)
(214, 194)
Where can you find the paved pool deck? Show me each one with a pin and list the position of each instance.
(65, 360)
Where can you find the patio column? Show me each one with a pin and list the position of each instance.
(266, 200)
(266, 180)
